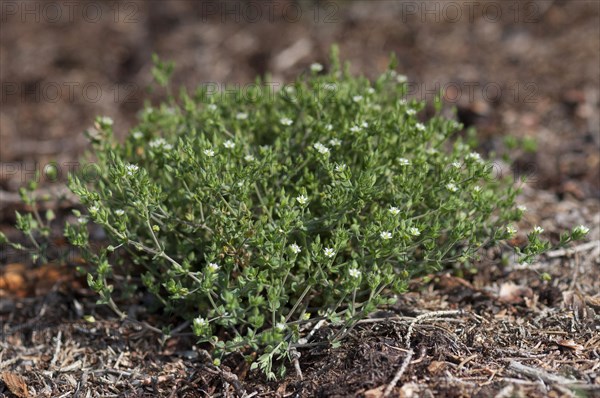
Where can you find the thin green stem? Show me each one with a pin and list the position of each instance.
(304, 293)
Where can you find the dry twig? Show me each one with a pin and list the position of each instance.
(572, 250)
(398, 374)
(549, 377)
(57, 350)
(431, 315)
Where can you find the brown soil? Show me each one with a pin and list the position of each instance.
(494, 331)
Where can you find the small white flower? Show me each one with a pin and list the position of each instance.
(364, 124)
(329, 127)
(341, 167)
(451, 187)
(241, 116)
(209, 152)
(137, 135)
(386, 235)
(302, 200)
(322, 149)
(511, 230)
(456, 165)
(335, 142)
(94, 209)
(371, 90)
(213, 267)
(522, 208)
(538, 230)
(200, 322)
(582, 229)
(411, 112)
(355, 273)
(106, 120)
(120, 212)
(81, 220)
(280, 326)
(477, 188)
(330, 86)
(431, 151)
(295, 248)
(131, 169)
(402, 102)
(394, 211)
(229, 144)
(414, 231)
(329, 252)
(212, 107)
(420, 126)
(473, 156)
(401, 78)
(286, 121)
(316, 67)
(160, 143)
(355, 129)
(403, 161)
(249, 158)
(357, 98)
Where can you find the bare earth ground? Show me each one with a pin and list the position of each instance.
(495, 331)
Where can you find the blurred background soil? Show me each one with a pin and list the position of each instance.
(525, 68)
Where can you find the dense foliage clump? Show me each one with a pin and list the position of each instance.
(255, 212)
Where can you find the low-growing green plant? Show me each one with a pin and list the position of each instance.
(255, 213)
